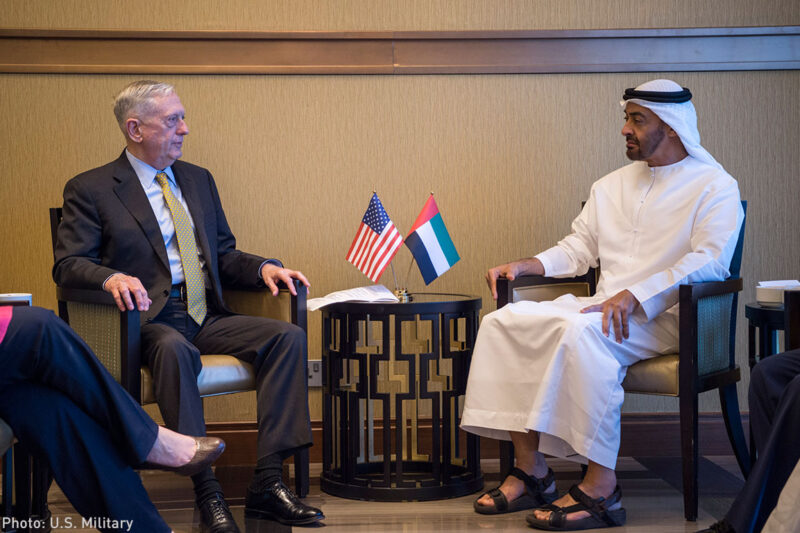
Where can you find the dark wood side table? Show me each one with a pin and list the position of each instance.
(394, 379)
(763, 324)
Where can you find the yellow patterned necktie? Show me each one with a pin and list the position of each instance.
(187, 245)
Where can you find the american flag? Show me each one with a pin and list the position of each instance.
(376, 241)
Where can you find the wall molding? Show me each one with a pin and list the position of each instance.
(466, 52)
(643, 435)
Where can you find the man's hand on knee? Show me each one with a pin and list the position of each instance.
(616, 310)
(126, 290)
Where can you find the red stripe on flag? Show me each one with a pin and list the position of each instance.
(429, 211)
(389, 256)
(366, 251)
(391, 243)
(378, 249)
(356, 241)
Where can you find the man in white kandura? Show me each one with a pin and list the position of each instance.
(549, 375)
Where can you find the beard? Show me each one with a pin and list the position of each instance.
(645, 147)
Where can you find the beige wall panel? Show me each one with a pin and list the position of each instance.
(398, 15)
(296, 158)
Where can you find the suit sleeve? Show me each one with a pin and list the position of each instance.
(237, 269)
(79, 241)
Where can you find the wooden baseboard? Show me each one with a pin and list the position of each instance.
(644, 435)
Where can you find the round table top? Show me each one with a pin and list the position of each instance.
(766, 315)
(422, 302)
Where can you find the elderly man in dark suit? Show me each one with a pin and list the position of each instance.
(150, 230)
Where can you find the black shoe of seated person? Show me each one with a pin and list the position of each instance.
(216, 517)
(603, 512)
(280, 504)
(723, 526)
(535, 494)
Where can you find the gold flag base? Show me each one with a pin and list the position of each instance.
(403, 295)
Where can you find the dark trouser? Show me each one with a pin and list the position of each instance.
(775, 418)
(172, 345)
(63, 404)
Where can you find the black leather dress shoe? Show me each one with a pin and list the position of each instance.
(215, 516)
(723, 526)
(280, 504)
(207, 450)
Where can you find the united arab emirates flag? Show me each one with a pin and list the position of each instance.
(430, 243)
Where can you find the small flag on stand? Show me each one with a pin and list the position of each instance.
(376, 242)
(431, 244)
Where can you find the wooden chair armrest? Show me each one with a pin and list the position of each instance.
(506, 289)
(704, 289)
(285, 306)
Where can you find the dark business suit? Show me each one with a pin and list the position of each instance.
(65, 407)
(108, 226)
(774, 398)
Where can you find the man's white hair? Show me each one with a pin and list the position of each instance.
(136, 100)
(681, 117)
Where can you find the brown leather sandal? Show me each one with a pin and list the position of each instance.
(534, 495)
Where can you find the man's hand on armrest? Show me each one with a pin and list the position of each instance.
(272, 274)
(125, 290)
(511, 270)
(616, 310)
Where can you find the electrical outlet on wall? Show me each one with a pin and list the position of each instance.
(314, 373)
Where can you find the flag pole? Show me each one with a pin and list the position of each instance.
(408, 273)
(411, 264)
(402, 294)
(396, 288)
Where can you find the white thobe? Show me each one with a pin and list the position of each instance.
(547, 367)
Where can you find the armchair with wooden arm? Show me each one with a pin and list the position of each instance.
(706, 358)
(114, 337)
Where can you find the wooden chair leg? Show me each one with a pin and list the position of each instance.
(6, 508)
(729, 401)
(301, 473)
(506, 458)
(41, 480)
(22, 482)
(689, 454)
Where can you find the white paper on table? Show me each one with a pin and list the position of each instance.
(370, 293)
(785, 283)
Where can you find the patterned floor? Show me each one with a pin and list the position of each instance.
(650, 487)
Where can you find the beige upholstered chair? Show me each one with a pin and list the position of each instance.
(706, 360)
(26, 480)
(114, 337)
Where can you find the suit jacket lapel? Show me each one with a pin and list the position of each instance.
(129, 191)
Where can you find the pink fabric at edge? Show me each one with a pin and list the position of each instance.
(5, 318)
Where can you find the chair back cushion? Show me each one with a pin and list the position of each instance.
(221, 374)
(551, 291)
